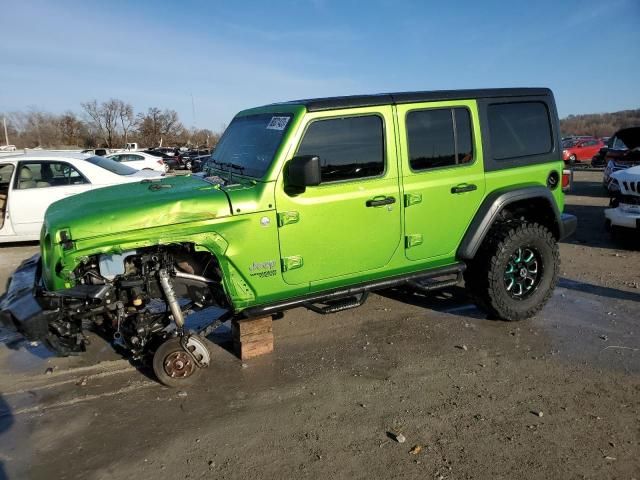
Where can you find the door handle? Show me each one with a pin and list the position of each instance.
(464, 187)
(378, 202)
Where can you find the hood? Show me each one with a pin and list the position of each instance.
(628, 175)
(134, 206)
(630, 137)
(628, 180)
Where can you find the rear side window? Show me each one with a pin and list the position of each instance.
(349, 148)
(519, 129)
(439, 138)
(111, 165)
(47, 174)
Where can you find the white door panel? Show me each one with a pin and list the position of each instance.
(30, 196)
(27, 207)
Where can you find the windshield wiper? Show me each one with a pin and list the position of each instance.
(229, 166)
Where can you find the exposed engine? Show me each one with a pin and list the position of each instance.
(134, 296)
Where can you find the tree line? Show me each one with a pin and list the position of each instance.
(599, 124)
(110, 124)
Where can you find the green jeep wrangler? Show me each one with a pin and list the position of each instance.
(310, 203)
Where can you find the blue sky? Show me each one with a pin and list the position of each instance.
(233, 55)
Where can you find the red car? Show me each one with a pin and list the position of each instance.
(580, 149)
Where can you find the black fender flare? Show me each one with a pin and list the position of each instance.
(496, 201)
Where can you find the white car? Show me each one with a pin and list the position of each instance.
(140, 161)
(626, 202)
(8, 148)
(30, 183)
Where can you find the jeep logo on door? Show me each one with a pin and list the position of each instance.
(263, 269)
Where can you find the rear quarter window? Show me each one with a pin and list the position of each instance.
(519, 129)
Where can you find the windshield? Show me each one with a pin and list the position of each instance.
(249, 144)
(111, 165)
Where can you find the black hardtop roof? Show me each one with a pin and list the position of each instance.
(352, 101)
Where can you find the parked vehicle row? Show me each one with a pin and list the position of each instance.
(170, 158)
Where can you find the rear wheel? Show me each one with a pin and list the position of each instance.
(515, 271)
(174, 366)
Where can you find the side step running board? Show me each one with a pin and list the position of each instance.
(334, 306)
(340, 294)
(431, 285)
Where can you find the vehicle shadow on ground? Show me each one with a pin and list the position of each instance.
(6, 421)
(448, 300)
(455, 299)
(601, 291)
(585, 188)
(591, 230)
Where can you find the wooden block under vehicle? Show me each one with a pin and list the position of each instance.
(253, 337)
(250, 326)
(246, 350)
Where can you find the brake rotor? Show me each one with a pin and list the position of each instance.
(179, 364)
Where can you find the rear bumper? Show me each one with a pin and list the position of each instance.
(568, 225)
(19, 307)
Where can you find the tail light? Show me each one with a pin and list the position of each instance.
(566, 179)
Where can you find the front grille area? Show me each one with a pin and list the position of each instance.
(632, 186)
(629, 199)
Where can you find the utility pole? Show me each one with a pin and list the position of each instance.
(6, 136)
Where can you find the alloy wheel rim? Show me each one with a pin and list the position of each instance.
(522, 273)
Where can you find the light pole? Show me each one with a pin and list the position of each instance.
(6, 135)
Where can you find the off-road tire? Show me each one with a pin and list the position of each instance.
(163, 352)
(485, 275)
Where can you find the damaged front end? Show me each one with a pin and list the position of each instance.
(138, 298)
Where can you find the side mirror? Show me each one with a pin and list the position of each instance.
(304, 171)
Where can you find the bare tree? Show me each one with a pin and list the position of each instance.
(103, 124)
(71, 129)
(104, 118)
(127, 118)
(157, 125)
(200, 137)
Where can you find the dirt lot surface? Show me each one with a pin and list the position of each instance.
(557, 396)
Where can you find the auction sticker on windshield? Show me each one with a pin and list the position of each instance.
(278, 123)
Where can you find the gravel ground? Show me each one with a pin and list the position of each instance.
(557, 396)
